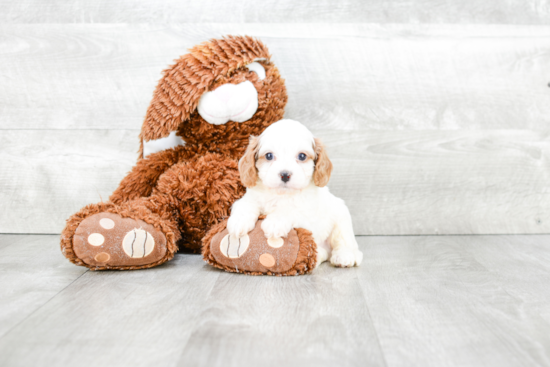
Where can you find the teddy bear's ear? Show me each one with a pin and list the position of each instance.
(178, 92)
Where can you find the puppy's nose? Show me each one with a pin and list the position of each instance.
(285, 176)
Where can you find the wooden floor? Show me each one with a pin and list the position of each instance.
(415, 301)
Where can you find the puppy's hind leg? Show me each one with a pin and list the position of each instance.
(323, 251)
(345, 251)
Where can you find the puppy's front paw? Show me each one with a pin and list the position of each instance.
(346, 258)
(239, 226)
(275, 227)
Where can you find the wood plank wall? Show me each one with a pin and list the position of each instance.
(436, 115)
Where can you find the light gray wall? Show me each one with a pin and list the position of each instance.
(436, 114)
(277, 11)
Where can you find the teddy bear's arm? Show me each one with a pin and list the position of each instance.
(145, 174)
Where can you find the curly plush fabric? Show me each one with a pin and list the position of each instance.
(178, 92)
(184, 191)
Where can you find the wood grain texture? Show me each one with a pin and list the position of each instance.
(443, 182)
(139, 318)
(101, 76)
(302, 321)
(187, 313)
(434, 129)
(281, 11)
(418, 300)
(394, 182)
(48, 175)
(32, 272)
(459, 301)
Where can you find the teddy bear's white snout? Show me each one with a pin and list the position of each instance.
(229, 102)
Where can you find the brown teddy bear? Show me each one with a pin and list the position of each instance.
(204, 109)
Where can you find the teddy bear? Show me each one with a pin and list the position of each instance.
(197, 126)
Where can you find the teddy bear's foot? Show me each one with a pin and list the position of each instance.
(109, 241)
(255, 255)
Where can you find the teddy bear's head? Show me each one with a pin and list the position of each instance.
(214, 98)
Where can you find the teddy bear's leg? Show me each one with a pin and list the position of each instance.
(108, 224)
(189, 198)
(200, 192)
(145, 174)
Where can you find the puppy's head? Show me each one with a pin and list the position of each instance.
(285, 157)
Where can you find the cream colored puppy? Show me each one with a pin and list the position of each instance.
(285, 171)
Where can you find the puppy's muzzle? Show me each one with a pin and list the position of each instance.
(285, 176)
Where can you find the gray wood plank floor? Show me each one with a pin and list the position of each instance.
(417, 300)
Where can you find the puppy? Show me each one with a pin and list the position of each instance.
(285, 171)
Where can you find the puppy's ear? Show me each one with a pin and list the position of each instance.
(323, 165)
(247, 164)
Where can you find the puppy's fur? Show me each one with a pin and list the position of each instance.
(285, 171)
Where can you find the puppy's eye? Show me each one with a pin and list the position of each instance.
(258, 69)
(302, 157)
(269, 156)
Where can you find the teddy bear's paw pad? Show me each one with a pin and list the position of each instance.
(138, 243)
(255, 253)
(234, 247)
(108, 240)
(275, 242)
